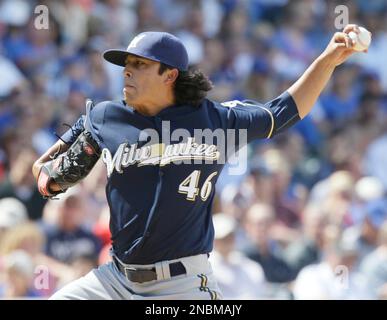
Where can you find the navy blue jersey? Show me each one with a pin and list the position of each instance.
(161, 179)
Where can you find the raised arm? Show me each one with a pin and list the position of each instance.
(306, 90)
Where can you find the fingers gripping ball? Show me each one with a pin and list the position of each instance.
(361, 40)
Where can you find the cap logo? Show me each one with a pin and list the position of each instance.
(135, 41)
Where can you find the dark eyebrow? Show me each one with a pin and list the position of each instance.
(133, 59)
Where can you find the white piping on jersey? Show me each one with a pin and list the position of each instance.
(271, 117)
(291, 119)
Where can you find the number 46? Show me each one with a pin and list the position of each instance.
(190, 186)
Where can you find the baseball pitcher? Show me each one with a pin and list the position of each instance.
(161, 176)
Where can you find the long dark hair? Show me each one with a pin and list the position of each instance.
(191, 86)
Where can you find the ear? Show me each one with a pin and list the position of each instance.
(171, 76)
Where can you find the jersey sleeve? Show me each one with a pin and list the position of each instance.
(92, 122)
(95, 119)
(71, 134)
(262, 120)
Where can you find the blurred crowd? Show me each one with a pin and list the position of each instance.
(308, 220)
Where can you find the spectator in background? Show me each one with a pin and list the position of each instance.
(334, 195)
(370, 118)
(67, 239)
(375, 157)
(263, 249)
(294, 49)
(35, 51)
(238, 277)
(257, 185)
(29, 238)
(102, 232)
(374, 265)
(44, 111)
(375, 23)
(367, 190)
(333, 278)
(72, 17)
(17, 271)
(20, 184)
(101, 227)
(12, 213)
(284, 199)
(12, 79)
(18, 268)
(96, 70)
(94, 190)
(278, 191)
(307, 249)
(26, 236)
(342, 102)
(365, 233)
(171, 12)
(258, 85)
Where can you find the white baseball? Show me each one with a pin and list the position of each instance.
(361, 40)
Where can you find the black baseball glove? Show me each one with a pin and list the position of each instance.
(68, 168)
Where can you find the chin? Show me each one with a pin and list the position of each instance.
(128, 100)
(128, 96)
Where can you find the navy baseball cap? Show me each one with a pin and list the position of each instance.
(157, 46)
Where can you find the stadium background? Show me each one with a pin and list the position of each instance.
(310, 212)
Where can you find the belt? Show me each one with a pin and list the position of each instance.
(145, 275)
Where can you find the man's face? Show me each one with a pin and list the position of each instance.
(143, 82)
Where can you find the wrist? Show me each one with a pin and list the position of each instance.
(325, 62)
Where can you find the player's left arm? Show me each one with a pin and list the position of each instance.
(70, 160)
(306, 90)
(69, 168)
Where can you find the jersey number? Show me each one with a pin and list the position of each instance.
(189, 186)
